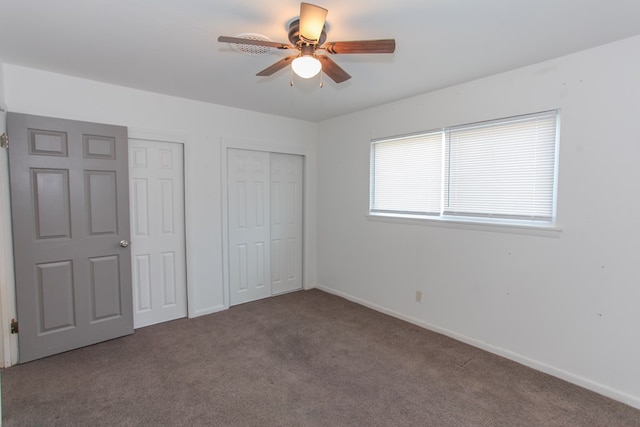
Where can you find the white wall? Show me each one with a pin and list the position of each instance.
(568, 305)
(201, 127)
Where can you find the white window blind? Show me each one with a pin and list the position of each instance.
(502, 169)
(407, 174)
(499, 170)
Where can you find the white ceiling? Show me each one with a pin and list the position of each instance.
(170, 46)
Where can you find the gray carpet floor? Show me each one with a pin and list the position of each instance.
(302, 359)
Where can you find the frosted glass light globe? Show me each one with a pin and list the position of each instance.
(306, 66)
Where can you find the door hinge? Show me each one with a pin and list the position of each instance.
(4, 140)
(14, 326)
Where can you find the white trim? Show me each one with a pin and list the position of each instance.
(155, 135)
(597, 387)
(226, 301)
(475, 224)
(272, 147)
(259, 145)
(8, 309)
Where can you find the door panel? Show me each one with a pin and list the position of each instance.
(248, 201)
(158, 231)
(69, 198)
(51, 203)
(105, 288)
(55, 285)
(102, 200)
(99, 147)
(50, 143)
(286, 222)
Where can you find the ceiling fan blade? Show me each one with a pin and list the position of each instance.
(240, 40)
(277, 66)
(312, 19)
(361, 46)
(333, 70)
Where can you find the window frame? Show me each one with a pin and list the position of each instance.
(494, 223)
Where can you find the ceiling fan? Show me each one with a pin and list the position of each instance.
(308, 35)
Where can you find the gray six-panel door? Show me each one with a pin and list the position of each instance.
(70, 213)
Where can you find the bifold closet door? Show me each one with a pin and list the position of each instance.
(286, 222)
(264, 224)
(248, 221)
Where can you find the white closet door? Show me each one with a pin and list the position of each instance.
(248, 223)
(286, 222)
(157, 231)
(264, 203)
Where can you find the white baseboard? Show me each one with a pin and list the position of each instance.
(594, 386)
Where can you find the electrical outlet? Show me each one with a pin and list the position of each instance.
(418, 296)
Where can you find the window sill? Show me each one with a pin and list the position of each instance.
(512, 227)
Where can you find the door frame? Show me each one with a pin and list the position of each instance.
(8, 309)
(270, 147)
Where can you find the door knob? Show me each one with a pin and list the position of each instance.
(124, 243)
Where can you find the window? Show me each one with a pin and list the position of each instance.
(497, 171)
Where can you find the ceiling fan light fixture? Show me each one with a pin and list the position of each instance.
(306, 66)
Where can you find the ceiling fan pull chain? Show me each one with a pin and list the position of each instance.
(321, 82)
(291, 81)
